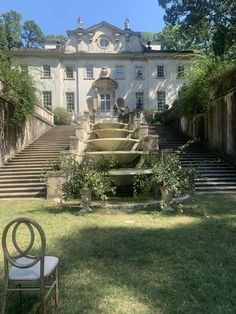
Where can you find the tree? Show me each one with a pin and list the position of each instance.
(32, 35)
(12, 28)
(3, 38)
(52, 37)
(209, 23)
(171, 38)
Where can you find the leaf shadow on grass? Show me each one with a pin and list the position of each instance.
(182, 270)
(185, 269)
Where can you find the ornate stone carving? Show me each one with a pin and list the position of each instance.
(105, 84)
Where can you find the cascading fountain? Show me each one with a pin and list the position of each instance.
(115, 140)
(98, 136)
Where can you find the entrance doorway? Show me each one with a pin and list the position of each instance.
(105, 103)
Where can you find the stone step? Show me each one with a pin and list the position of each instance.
(22, 189)
(20, 180)
(215, 179)
(42, 154)
(21, 172)
(26, 166)
(216, 175)
(21, 185)
(216, 183)
(216, 188)
(20, 195)
(218, 171)
(26, 162)
(20, 177)
(39, 158)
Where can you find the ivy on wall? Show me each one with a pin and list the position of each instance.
(202, 82)
(18, 90)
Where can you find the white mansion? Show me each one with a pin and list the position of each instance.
(101, 64)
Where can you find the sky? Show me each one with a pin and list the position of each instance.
(57, 16)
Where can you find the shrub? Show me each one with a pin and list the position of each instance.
(168, 174)
(149, 114)
(88, 177)
(61, 116)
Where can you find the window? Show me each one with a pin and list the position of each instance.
(139, 101)
(105, 103)
(160, 71)
(69, 72)
(89, 72)
(24, 68)
(46, 71)
(47, 100)
(139, 72)
(120, 73)
(180, 71)
(70, 102)
(161, 100)
(103, 42)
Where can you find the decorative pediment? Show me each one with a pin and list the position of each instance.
(102, 24)
(105, 84)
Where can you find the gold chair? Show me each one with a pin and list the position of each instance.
(27, 269)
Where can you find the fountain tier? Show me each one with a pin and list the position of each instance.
(112, 133)
(113, 125)
(122, 158)
(125, 177)
(114, 144)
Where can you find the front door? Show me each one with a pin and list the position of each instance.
(105, 104)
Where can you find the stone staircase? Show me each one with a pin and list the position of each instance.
(21, 177)
(215, 174)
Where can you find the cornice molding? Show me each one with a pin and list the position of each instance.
(102, 56)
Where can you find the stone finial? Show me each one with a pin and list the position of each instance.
(126, 24)
(80, 23)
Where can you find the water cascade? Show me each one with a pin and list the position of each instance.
(122, 142)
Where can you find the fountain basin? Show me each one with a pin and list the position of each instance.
(112, 133)
(108, 125)
(122, 158)
(125, 176)
(114, 144)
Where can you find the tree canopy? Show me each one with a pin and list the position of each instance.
(11, 27)
(32, 35)
(207, 23)
(15, 34)
(52, 37)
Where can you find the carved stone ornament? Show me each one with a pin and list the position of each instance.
(105, 84)
(90, 104)
(104, 71)
(121, 104)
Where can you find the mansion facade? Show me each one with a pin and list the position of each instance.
(101, 65)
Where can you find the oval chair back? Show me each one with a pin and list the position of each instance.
(26, 267)
(16, 259)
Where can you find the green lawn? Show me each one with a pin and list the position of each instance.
(143, 262)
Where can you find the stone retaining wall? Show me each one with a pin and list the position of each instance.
(217, 127)
(13, 139)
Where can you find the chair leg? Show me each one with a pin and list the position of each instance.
(4, 303)
(56, 289)
(4, 298)
(42, 303)
(20, 297)
(42, 297)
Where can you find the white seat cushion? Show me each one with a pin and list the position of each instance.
(32, 273)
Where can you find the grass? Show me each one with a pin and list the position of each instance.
(142, 262)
